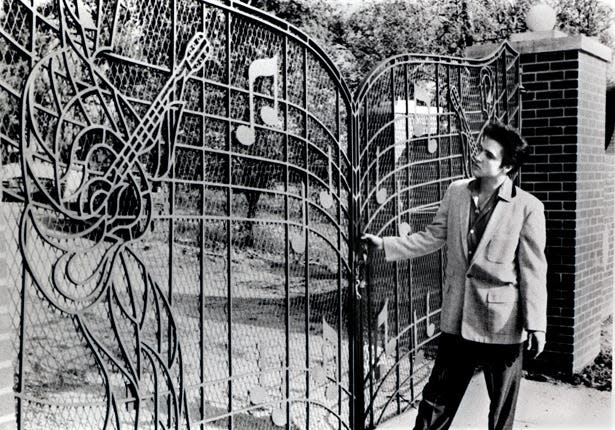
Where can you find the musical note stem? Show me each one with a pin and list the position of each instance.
(415, 332)
(263, 67)
(381, 194)
(326, 197)
(431, 327)
(329, 169)
(298, 241)
(383, 320)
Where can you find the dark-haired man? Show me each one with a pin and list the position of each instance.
(494, 297)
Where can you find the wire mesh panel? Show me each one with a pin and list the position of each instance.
(181, 181)
(176, 180)
(418, 119)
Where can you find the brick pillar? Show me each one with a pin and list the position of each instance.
(571, 172)
(7, 401)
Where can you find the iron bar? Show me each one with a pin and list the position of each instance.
(396, 214)
(229, 224)
(287, 304)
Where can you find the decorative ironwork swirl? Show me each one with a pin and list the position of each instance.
(488, 110)
(88, 160)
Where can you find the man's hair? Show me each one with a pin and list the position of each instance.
(515, 149)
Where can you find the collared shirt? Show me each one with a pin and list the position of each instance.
(479, 217)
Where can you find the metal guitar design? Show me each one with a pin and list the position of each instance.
(100, 193)
(80, 218)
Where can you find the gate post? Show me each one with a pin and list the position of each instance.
(572, 172)
(7, 400)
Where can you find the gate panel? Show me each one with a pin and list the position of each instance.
(180, 180)
(418, 119)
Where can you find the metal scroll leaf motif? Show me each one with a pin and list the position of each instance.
(488, 109)
(89, 158)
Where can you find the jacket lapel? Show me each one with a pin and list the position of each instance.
(464, 219)
(498, 214)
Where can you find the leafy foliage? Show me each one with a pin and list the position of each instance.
(589, 17)
(358, 40)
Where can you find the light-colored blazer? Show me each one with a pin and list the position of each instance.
(499, 293)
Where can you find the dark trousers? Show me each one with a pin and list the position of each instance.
(456, 362)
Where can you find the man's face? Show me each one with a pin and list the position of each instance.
(488, 161)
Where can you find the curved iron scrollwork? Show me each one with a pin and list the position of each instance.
(488, 107)
(89, 158)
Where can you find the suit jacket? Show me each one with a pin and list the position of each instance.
(499, 293)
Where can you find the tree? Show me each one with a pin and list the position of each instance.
(358, 41)
(592, 18)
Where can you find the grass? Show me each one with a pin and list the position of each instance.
(598, 374)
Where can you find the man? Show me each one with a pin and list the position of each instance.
(494, 296)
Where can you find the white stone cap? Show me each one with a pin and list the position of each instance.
(546, 41)
(536, 35)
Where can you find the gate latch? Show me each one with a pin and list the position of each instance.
(361, 271)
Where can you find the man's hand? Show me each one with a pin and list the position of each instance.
(373, 241)
(536, 342)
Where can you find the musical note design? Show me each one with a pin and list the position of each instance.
(488, 109)
(381, 193)
(487, 96)
(432, 145)
(422, 94)
(329, 340)
(388, 346)
(264, 67)
(77, 224)
(404, 228)
(258, 394)
(415, 332)
(298, 241)
(418, 127)
(470, 146)
(278, 415)
(431, 327)
(326, 197)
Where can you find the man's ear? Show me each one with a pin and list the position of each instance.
(507, 169)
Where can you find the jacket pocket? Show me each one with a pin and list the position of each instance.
(501, 249)
(502, 294)
(503, 310)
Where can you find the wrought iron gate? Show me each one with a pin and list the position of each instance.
(418, 118)
(183, 183)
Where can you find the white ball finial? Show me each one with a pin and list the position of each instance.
(540, 17)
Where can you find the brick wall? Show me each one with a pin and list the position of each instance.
(550, 108)
(594, 220)
(609, 205)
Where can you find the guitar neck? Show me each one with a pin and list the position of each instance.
(147, 127)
